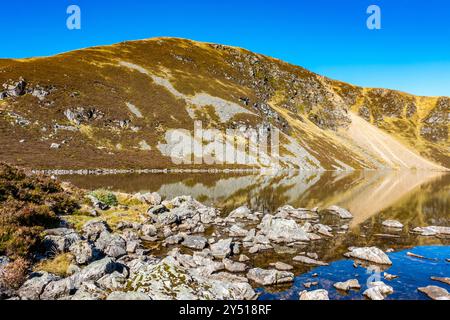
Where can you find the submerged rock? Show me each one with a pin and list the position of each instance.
(443, 280)
(282, 266)
(348, 285)
(432, 231)
(372, 254)
(378, 291)
(435, 292)
(309, 261)
(320, 294)
(269, 277)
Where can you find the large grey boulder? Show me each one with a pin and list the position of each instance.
(33, 287)
(194, 242)
(372, 254)
(222, 249)
(282, 230)
(269, 277)
(59, 240)
(93, 229)
(67, 286)
(113, 245)
(83, 251)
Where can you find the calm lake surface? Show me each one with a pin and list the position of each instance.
(414, 198)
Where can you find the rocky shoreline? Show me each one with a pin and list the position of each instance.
(181, 249)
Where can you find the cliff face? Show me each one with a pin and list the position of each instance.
(113, 107)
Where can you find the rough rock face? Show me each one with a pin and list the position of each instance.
(436, 124)
(103, 105)
(372, 254)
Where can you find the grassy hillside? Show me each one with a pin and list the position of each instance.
(112, 106)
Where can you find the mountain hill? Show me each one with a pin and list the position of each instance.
(113, 106)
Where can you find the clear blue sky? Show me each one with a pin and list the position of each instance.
(411, 52)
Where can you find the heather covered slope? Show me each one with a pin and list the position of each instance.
(112, 107)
